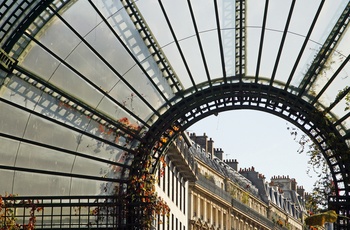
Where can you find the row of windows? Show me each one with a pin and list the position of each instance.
(209, 212)
(173, 187)
(173, 223)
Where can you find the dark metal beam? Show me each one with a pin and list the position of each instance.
(7, 63)
(240, 38)
(282, 42)
(111, 67)
(326, 50)
(152, 44)
(342, 94)
(183, 58)
(199, 42)
(26, 12)
(307, 38)
(220, 41)
(85, 109)
(262, 36)
(77, 130)
(55, 173)
(59, 149)
(330, 80)
(342, 119)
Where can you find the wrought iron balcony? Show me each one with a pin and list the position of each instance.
(180, 154)
(251, 213)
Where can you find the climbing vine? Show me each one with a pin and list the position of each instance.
(324, 184)
(141, 189)
(8, 219)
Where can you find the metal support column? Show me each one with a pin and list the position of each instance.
(240, 38)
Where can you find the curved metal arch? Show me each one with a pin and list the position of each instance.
(192, 105)
(225, 97)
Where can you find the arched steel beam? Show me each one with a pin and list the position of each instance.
(197, 105)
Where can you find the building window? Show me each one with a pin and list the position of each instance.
(184, 199)
(195, 205)
(180, 196)
(172, 221)
(177, 191)
(159, 175)
(169, 178)
(172, 186)
(164, 176)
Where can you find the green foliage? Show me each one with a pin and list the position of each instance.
(8, 219)
(346, 95)
(347, 101)
(323, 186)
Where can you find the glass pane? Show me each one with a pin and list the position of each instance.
(83, 166)
(21, 93)
(101, 150)
(35, 157)
(13, 121)
(50, 133)
(26, 184)
(8, 151)
(6, 178)
(91, 187)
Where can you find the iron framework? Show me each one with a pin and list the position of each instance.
(174, 108)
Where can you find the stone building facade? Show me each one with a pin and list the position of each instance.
(206, 192)
(224, 197)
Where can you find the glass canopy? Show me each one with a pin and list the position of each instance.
(83, 82)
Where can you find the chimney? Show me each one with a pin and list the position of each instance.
(232, 163)
(218, 153)
(210, 148)
(200, 140)
(293, 184)
(301, 191)
(284, 182)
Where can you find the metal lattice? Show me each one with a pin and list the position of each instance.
(113, 79)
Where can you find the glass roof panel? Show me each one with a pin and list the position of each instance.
(7, 150)
(212, 54)
(269, 53)
(34, 157)
(132, 101)
(174, 57)
(42, 184)
(289, 53)
(154, 17)
(308, 56)
(327, 19)
(120, 69)
(6, 178)
(20, 92)
(179, 15)
(13, 120)
(83, 186)
(89, 167)
(40, 62)
(40, 130)
(204, 14)
(97, 149)
(191, 49)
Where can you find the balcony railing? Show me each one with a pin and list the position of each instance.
(180, 154)
(214, 189)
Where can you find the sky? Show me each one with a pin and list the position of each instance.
(258, 139)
